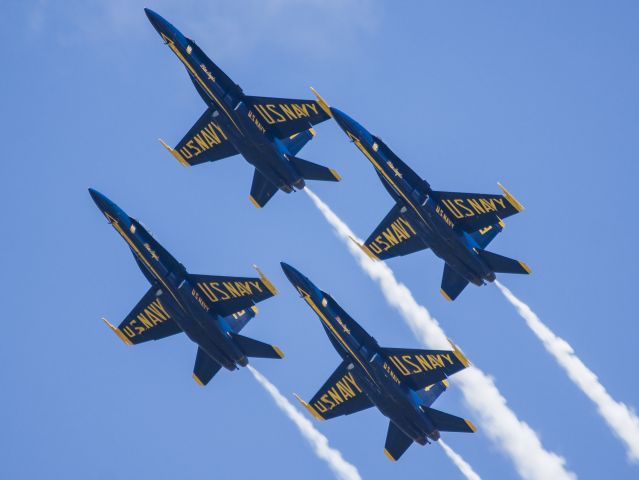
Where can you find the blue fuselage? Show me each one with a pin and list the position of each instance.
(430, 221)
(375, 375)
(170, 280)
(240, 124)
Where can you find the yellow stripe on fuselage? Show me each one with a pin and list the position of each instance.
(339, 337)
(383, 172)
(135, 249)
(172, 46)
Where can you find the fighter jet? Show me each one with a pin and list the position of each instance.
(267, 132)
(402, 383)
(211, 310)
(456, 226)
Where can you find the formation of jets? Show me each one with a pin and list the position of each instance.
(212, 310)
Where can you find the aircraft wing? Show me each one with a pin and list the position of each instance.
(228, 295)
(394, 236)
(204, 142)
(340, 395)
(421, 368)
(149, 320)
(474, 211)
(286, 116)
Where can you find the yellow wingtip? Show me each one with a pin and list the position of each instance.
(512, 200)
(445, 295)
(525, 267)
(501, 223)
(271, 288)
(175, 153)
(459, 354)
(365, 249)
(197, 380)
(337, 176)
(471, 425)
(322, 103)
(254, 202)
(446, 383)
(254, 308)
(279, 352)
(389, 456)
(117, 331)
(312, 131)
(308, 407)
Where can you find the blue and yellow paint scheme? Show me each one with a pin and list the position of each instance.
(456, 226)
(210, 310)
(267, 132)
(402, 383)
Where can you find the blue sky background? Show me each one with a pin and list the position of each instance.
(539, 95)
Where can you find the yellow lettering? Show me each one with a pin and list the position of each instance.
(407, 359)
(400, 366)
(214, 286)
(423, 362)
(271, 108)
(460, 203)
(287, 110)
(436, 360)
(475, 204)
(335, 396)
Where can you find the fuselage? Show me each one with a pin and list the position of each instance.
(238, 122)
(374, 374)
(173, 289)
(426, 217)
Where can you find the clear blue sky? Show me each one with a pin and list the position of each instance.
(541, 96)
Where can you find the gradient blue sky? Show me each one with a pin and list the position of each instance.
(539, 95)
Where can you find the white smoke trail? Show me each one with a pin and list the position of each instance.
(463, 465)
(513, 436)
(340, 467)
(620, 418)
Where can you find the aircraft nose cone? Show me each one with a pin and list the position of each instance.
(295, 277)
(347, 123)
(100, 200)
(156, 20)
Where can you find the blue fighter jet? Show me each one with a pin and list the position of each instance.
(402, 383)
(456, 226)
(211, 310)
(267, 132)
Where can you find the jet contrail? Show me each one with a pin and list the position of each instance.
(513, 436)
(340, 467)
(463, 465)
(620, 418)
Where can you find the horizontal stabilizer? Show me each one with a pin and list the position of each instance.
(255, 348)
(296, 142)
(313, 171)
(204, 142)
(501, 264)
(205, 367)
(396, 442)
(452, 283)
(445, 422)
(262, 190)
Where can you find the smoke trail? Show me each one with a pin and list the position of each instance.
(620, 418)
(340, 467)
(462, 464)
(513, 436)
